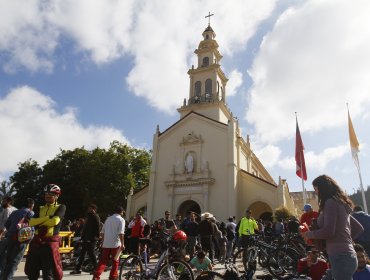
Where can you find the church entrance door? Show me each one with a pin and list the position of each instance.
(189, 205)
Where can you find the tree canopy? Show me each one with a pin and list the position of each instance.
(282, 213)
(101, 176)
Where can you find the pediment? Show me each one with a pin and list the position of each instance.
(191, 139)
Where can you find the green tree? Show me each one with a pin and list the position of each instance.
(6, 189)
(282, 213)
(26, 181)
(101, 176)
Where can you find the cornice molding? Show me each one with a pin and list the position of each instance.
(199, 181)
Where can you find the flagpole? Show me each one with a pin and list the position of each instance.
(303, 189)
(301, 168)
(355, 150)
(361, 186)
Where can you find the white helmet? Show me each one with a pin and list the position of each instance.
(52, 188)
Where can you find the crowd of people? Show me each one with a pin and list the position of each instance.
(206, 239)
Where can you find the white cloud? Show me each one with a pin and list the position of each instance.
(31, 31)
(165, 43)
(268, 155)
(318, 162)
(314, 60)
(99, 27)
(25, 38)
(235, 81)
(28, 116)
(160, 35)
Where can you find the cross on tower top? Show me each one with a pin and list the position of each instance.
(209, 18)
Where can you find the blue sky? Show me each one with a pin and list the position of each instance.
(85, 73)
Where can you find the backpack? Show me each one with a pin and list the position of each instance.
(24, 231)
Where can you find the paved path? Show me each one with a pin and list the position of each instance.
(86, 276)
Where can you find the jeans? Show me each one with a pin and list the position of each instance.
(14, 255)
(89, 248)
(207, 245)
(343, 266)
(3, 244)
(190, 245)
(229, 249)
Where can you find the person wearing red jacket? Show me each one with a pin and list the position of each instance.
(308, 215)
(312, 265)
(137, 228)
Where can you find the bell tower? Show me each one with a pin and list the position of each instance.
(207, 92)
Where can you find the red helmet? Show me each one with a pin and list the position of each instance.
(53, 189)
(179, 235)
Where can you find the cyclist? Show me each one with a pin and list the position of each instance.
(43, 251)
(248, 226)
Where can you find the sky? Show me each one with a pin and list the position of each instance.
(86, 72)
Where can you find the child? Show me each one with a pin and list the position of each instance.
(201, 262)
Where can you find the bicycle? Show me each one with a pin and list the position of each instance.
(231, 273)
(168, 266)
(248, 254)
(283, 260)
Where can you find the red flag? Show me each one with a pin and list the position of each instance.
(299, 156)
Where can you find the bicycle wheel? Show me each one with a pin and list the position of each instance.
(238, 259)
(131, 268)
(262, 258)
(283, 261)
(175, 270)
(249, 260)
(209, 275)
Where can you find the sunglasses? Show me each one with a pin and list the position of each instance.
(50, 193)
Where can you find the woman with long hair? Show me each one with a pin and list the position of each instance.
(336, 226)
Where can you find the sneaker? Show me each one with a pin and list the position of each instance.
(75, 272)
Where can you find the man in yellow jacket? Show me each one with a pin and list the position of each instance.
(247, 227)
(43, 253)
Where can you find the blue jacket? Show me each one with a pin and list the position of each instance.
(14, 219)
(364, 220)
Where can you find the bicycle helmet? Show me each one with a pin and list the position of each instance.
(53, 189)
(179, 235)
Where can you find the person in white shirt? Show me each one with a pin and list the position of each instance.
(113, 244)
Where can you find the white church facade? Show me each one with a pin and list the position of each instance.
(202, 163)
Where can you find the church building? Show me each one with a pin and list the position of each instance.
(201, 163)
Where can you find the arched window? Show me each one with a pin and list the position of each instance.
(205, 61)
(198, 88)
(208, 88)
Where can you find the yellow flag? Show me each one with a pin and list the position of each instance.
(355, 146)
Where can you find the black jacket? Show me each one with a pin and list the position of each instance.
(91, 229)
